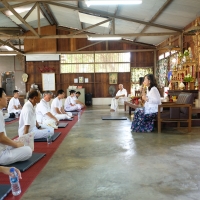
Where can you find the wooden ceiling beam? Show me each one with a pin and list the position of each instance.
(7, 43)
(165, 5)
(89, 27)
(103, 14)
(9, 7)
(86, 35)
(16, 5)
(30, 11)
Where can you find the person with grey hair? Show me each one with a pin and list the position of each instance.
(43, 111)
(119, 97)
(27, 121)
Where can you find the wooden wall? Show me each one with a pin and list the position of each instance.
(41, 45)
(98, 82)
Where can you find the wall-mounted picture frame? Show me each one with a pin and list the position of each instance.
(76, 80)
(86, 80)
(48, 81)
(81, 79)
(113, 78)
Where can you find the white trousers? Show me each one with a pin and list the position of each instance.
(43, 132)
(114, 104)
(72, 108)
(15, 111)
(49, 122)
(63, 116)
(11, 155)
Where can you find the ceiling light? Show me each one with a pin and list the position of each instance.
(9, 48)
(93, 38)
(111, 2)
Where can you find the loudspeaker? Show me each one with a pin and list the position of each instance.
(88, 99)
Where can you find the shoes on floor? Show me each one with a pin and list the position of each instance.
(112, 110)
(109, 105)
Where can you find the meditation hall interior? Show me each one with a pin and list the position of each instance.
(100, 99)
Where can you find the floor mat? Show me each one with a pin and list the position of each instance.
(54, 137)
(24, 165)
(4, 190)
(9, 119)
(113, 118)
(29, 175)
(62, 124)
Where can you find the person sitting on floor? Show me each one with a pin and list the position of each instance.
(14, 105)
(144, 117)
(43, 111)
(78, 101)
(27, 121)
(119, 98)
(57, 107)
(70, 103)
(10, 151)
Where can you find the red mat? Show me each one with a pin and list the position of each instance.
(15, 120)
(30, 174)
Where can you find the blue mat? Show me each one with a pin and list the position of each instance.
(109, 117)
(54, 137)
(62, 124)
(4, 190)
(9, 119)
(24, 165)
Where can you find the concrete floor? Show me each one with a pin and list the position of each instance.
(104, 160)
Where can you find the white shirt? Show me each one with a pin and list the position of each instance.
(151, 106)
(56, 103)
(122, 92)
(27, 117)
(2, 130)
(69, 100)
(13, 102)
(42, 109)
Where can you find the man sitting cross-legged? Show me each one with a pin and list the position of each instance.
(27, 121)
(78, 101)
(14, 105)
(10, 151)
(43, 111)
(57, 107)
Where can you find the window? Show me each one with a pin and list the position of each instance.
(99, 62)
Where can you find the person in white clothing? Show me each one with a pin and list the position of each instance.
(118, 98)
(43, 111)
(27, 121)
(57, 108)
(14, 105)
(10, 151)
(144, 117)
(77, 101)
(70, 103)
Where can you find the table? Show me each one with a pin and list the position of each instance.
(195, 110)
(130, 105)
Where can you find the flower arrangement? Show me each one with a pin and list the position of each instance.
(186, 53)
(180, 55)
(188, 78)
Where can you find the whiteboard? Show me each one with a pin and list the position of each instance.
(42, 57)
(48, 81)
